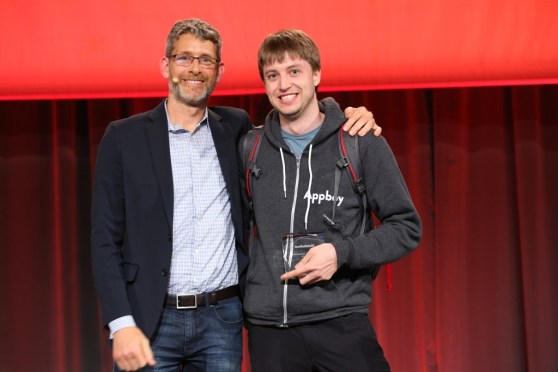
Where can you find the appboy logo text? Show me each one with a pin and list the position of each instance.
(321, 197)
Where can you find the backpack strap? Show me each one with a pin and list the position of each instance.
(350, 162)
(250, 149)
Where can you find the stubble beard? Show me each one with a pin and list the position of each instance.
(192, 99)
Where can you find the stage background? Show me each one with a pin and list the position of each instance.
(466, 93)
(479, 294)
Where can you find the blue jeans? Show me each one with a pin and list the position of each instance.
(208, 338)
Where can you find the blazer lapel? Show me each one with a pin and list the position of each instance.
(223, 137)
(158, 139)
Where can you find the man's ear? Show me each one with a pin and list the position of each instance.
(164, 66)
(220, 71)
(317, 76)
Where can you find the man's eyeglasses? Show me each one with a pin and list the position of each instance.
(186, 60)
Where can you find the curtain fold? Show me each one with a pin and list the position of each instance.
(479, 294)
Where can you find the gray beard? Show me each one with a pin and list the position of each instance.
(199, 100)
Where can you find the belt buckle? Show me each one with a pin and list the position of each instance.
(186, 306)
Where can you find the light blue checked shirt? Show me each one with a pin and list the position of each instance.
(203, 253)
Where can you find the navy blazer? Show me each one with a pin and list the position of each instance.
(132, 210)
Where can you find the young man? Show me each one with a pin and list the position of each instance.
(312, 315)
(168, 257)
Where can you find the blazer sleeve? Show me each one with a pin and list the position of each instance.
(107, 228)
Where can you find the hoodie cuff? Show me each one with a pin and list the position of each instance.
(344, 253)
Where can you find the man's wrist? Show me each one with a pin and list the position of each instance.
(120, 323)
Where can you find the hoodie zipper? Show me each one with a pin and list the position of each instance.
(285, 286)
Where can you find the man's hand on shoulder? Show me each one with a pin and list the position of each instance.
(361, 121)
(131, 350)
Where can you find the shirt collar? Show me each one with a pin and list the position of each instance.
(175, 128)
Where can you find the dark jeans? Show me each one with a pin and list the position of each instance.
(341, 344)
(208, 338)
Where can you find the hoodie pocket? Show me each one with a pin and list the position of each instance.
(322, 297)
(264, 288)
(265, 269)
(255, 265)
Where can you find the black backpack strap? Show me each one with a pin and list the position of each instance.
(350, 162)
(250, 149)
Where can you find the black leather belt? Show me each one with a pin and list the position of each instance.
(192, 301)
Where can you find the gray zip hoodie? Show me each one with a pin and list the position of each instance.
(291, 196)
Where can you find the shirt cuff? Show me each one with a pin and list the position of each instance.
(119, 323)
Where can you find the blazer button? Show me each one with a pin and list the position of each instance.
(170, 237)
(164, 272)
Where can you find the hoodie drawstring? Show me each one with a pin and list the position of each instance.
(284, 176)
(309, 186)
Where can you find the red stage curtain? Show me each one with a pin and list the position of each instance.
(479, 294)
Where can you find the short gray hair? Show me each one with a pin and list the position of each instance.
(196, 27)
